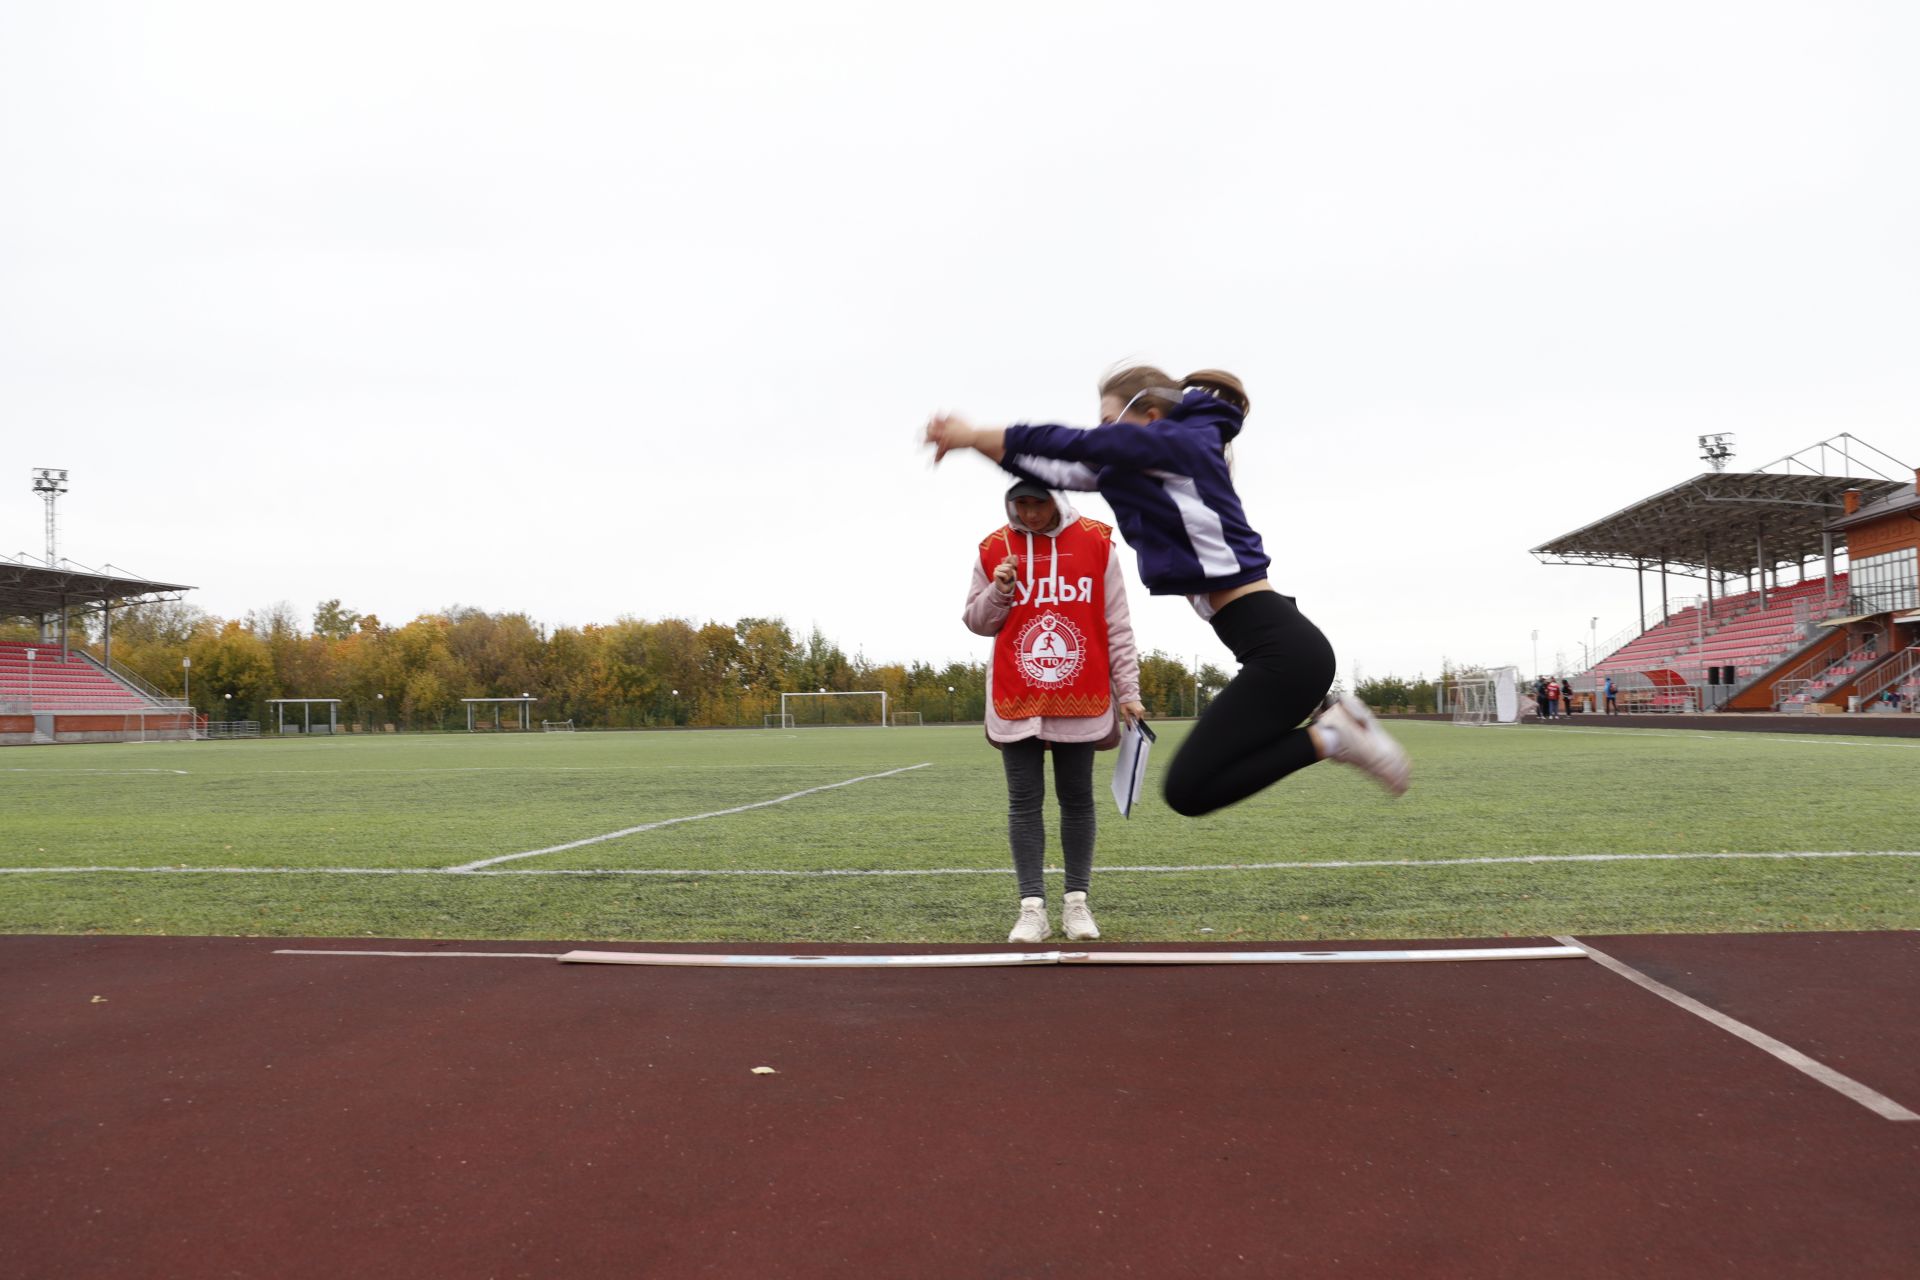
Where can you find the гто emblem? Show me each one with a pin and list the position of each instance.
(1050, 649)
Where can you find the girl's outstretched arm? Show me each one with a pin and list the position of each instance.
(947, 432)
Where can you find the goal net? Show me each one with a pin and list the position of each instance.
(904, 718)
(1485, 697)
(780, 720)
(556, 726)
(849, 707)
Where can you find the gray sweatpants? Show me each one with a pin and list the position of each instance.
(1026, 767)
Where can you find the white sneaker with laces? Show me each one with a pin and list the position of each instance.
(1032, 925)
(1077, 919)
(1365, 745)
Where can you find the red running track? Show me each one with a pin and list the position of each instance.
(224, 1111)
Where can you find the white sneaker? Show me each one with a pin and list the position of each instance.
(1077, 920)
(1032, 925)
(1365, 745)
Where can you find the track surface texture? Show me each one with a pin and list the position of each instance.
(204, 1107)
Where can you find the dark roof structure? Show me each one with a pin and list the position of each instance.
(1736, 523)
(29, 588)
(1905, 498)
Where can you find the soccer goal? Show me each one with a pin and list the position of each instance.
(900, 718)
(1485, 697)
(845, 707)
(780, 720)
(556, 726)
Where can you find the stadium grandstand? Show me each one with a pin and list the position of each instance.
(56, 690)
(1777, 625)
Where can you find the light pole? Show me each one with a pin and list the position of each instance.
(949, 704)
(1593, 634)
(379, 706)
(31, 703)
(49, 483)
(186, 680)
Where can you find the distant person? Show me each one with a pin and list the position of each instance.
(1047, 586)
(1613, 707)
(1159, 458)
(1553, 698)
(1567, 694)
(1541, 706)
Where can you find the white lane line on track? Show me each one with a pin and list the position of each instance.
(978, 959)
(467, 868)
(458, 955)
(1847, 1086)
(1531, 859)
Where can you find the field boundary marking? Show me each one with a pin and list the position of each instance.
(468, 868)
(1873, 1100)
(1532, 859)
(11, 769)
(1785, 736)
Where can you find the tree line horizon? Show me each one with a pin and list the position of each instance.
(629, 673)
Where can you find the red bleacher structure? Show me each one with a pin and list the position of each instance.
(50, 691)
(67, 697)
(1803, 637)
(1741, 632)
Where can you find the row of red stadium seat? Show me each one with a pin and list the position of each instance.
(1739, 632)
(50, 681)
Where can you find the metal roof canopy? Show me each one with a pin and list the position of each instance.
(29, 588)
(1723, 520)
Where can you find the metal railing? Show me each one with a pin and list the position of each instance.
(230, 729)
(1799, 675)
(1902, 666)
(137, 682)
(1790, 695)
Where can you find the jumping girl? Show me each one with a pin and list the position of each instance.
(1160, 460)
(1047, 586)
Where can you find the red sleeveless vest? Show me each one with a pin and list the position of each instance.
(1050, 659)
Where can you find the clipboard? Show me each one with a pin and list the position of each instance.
(1130, 765)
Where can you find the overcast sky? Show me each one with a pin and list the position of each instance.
(601, 309)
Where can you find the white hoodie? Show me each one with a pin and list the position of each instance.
(986, 613)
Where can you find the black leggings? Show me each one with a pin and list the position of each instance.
(1026, 763)
(1250, 737)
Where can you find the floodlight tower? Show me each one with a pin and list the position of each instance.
(1717, 449)
(50, 483)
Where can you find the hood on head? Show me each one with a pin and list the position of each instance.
(1202, 409)
(1064, 514)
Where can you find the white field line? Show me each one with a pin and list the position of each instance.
(1541, 859)
(1878, 1103)
(467, 868)
(649, 767)
(114, 771)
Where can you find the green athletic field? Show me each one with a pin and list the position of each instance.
(426, 804)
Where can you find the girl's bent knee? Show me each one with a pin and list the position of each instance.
(1184, 797)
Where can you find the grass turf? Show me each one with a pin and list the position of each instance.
(438, 802)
